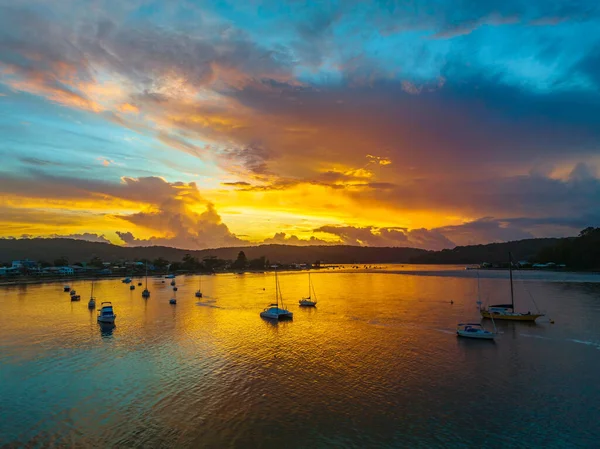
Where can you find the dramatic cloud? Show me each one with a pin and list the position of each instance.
(374, 123)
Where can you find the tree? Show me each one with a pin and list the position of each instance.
(241, 262)
(190, 263)
(160, 263)
(96, 262)
(258, 264)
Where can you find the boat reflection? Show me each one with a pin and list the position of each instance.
(106, 329)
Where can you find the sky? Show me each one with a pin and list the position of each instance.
(201, 124)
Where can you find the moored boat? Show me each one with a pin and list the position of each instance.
(92, 301)
(507, 311)
(309, 301)
(66, 288)
(474, 330)
(106, 313)
(146, 292)
(274, 311)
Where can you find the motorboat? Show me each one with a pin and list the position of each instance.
(274, 311)
(106, 313)
(172, 301)
(132, 287)
(174, 289)
(66, 288)
(74, 296)
(126, 280)
(170, 276)
(309, 301)
(173, 282)
(474, 330)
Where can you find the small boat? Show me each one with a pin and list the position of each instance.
(146, 292)
(474, 330)
(170, 276)
(174, 289)
(126, 280)
(132, 287)
(92, 301)
(75, 297)
(507, 311)
(172, 301)
(106, 314)
(139, 284)
(66, 288)
(73, 293)
(199, 292)
(309, 301)
(274, 312)
(173, 282)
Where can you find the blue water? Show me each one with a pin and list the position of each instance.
(376, 364)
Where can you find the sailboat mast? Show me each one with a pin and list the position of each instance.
(92, 293)
(276, 289)
(146, 275)
(309, 285)
(512, 293)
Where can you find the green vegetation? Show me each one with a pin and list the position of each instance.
(580, 253)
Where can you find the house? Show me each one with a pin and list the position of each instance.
(65, 270)
(24, 264)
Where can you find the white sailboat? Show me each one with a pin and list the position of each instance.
(199, 292)
(274, 312)
(311, 300)
(146, 292)
(476, 330)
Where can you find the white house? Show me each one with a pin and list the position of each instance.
(65, 270)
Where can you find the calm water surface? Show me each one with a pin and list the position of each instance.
(377, 364)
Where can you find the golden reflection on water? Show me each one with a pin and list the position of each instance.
(375, 363)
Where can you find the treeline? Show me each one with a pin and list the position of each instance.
(80, 250)
(581, 252)
(494, 253)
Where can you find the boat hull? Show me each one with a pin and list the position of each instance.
(107, 319)
(476, 335)
(307, 303)
(277, 316)
(510, 317)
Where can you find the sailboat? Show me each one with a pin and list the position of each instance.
(146, 292)
(309, 302)
(199, 292)
(507, 311)
(92, 301)
(274, 312)
(476, 330)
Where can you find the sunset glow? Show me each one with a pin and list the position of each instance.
(203, 124)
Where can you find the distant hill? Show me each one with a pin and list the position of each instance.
(495, 253)
(82, 251)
